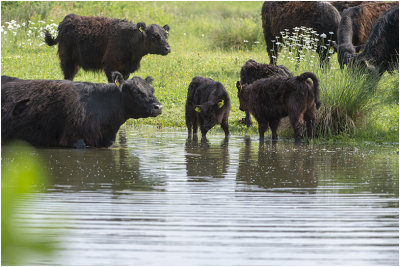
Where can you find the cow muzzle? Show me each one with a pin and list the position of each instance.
(166, 50)
(157, 110)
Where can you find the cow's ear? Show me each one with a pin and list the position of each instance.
(141, 26)
(166, 28)
(239, 86)
(117, 78)
(149, 79)
(20, 106)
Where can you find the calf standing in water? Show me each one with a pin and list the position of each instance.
(252, 71)
(271, 99)
(207, 104)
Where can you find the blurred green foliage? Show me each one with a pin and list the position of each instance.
(20, 177)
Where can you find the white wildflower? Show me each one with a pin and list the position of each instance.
(323, 35)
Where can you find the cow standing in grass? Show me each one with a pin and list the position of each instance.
(271, 99)
(207, 104)
(252, 71)
(381, 52)
(95, 43)
(280, 15)
(356, 26)
(343, 5)
(73, 114)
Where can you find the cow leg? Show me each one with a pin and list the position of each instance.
(297, 123)
(69, 67)
(309, 117)
(274, 127)
(247, 119)
(195, 127)
(225, 127)
(262, 127)
(310, 128)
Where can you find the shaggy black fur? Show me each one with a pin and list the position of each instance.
(252, 71)
(271, 99)
(381, 52)
(207, 104)
(355, 27)
(73, 114)
(95, 43)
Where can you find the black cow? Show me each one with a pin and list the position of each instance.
(355, 27)
(271, 99)
(95, 43)
(381, 52)
(73, 114)
(252, 71)
(207, 104)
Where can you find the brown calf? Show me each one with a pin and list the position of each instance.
(271, 99)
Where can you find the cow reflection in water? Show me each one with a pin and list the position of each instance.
(204, 160)
(113, 169)
(289, 169)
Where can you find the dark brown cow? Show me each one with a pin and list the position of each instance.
(73, 114)
(381, 52)
(271, 99)
(207, 104)
(95, 43)
(355, 27)
(252, 71)
(342, 5)
(280, 15)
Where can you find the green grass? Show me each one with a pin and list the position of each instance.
(210, 39)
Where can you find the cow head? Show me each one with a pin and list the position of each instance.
(209, 113)
(156, 39)
(345, 54)
(137, 97)
(243, 98)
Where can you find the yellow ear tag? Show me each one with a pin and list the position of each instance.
(240, 87)
(197, 109)
(221, 103)
(117, 82)
(367, 64)
(140, 29)
(166, 31)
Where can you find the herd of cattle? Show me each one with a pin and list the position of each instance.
(63, 113)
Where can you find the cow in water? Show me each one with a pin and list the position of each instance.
(207, 104)
(73, 114)
(271, 99)
(251, 71)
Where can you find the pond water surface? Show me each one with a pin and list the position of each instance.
(155, 198)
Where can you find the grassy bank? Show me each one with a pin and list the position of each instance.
(210, 39)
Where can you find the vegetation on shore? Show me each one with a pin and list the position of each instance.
(210, 39)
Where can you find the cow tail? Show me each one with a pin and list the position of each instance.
(314, 78)
(49, 39)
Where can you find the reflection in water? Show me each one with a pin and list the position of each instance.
(273, 167)
(204, 160)
(155, 198)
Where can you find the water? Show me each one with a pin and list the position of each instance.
(156, 199)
